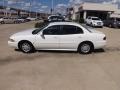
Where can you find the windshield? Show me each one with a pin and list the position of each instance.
(95, 19)
(39, 29)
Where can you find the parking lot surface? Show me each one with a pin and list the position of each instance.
(53, 70)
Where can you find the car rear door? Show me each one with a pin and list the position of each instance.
(71, 37)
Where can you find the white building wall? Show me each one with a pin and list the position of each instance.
(75, 10)
(99, 7)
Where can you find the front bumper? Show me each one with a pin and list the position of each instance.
(13, 44)
(98, 24)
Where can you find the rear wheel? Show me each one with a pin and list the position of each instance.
(26, 47)
(85, 48)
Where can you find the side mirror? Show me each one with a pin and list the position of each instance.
(41, 33)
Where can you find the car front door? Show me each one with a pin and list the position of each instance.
(5, 20)
(71, 37)
(49, 39)
(8, 20)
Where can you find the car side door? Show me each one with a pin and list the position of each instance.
(71, 37)
(8, 20)
(49, 39)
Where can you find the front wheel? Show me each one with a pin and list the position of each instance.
(26, 47)
(2, 22)
(85, 48)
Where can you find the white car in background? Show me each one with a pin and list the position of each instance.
(8, 20)
(68, 36)
(94, 21)
(21, 20)
(31, 18)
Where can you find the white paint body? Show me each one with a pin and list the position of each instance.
(59, 42)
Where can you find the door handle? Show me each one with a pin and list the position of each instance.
(55, 37)
(79, 37)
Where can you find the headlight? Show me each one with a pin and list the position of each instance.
(11, 40)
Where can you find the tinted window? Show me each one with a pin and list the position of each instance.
(111, 18)
(95, 19)
(117, 19)
(5, 18)
(39, 29)
(89, 18)
(67, 29)
(53, 30)
(56, 18)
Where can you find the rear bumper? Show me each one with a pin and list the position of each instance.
(100, 44)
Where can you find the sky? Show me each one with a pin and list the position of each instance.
(46, 5)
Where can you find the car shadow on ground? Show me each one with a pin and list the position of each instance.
(99, 51)
(32, 57)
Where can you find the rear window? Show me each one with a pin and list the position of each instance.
(56, 17)
(87, 28)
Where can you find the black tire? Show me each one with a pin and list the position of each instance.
(85, 48)
(91, 25)
(2, 22)
(26, 47)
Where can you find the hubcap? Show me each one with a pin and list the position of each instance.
(85, 48)
(26, 47)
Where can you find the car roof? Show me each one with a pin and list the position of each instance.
(64, 23)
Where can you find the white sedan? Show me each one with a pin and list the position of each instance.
(94, 21)
(68, 36)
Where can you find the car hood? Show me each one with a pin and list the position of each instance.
(24, 33)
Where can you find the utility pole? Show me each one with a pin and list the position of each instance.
(52, 9)
(4, 7)
(36, 14)
(30, 8)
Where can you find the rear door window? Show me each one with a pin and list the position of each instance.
(69, 29)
